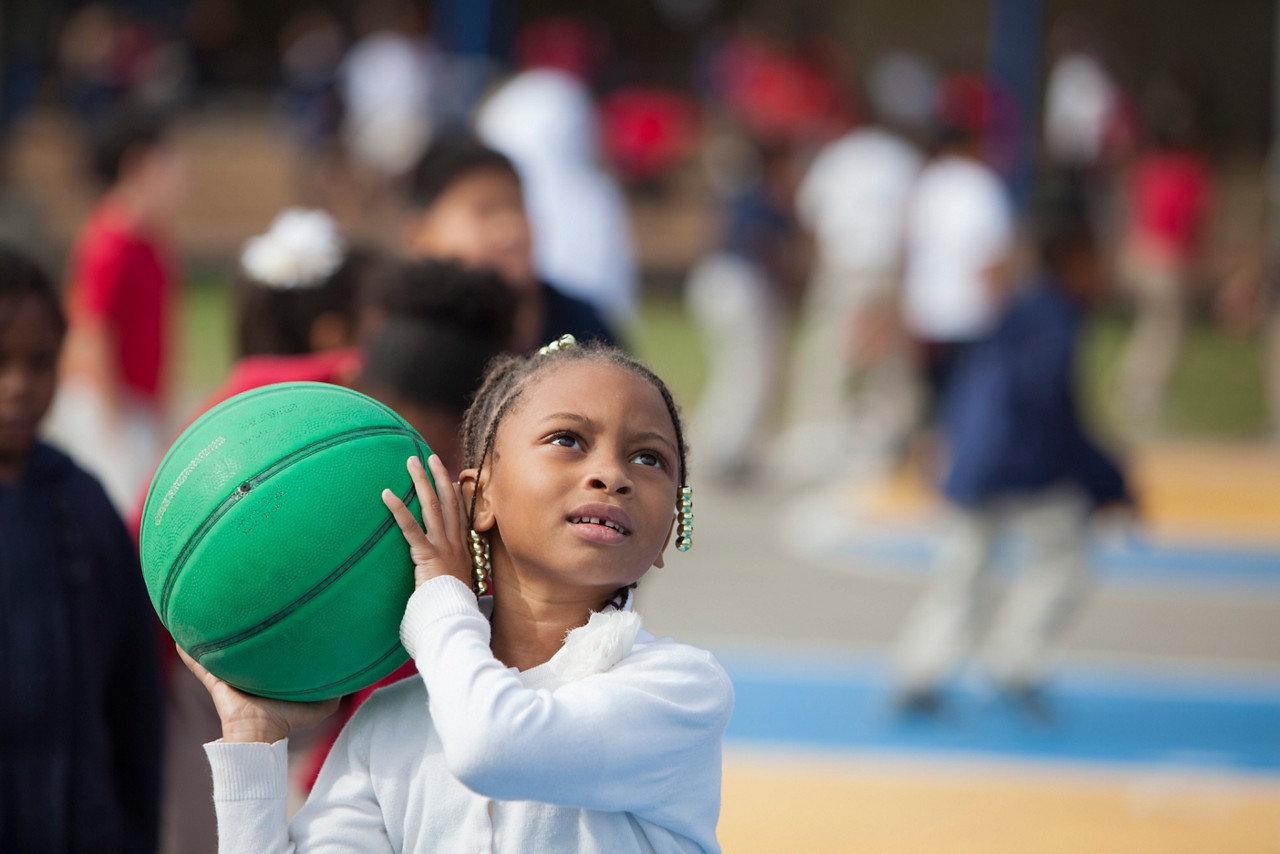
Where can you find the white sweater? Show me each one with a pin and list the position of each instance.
(607, 747)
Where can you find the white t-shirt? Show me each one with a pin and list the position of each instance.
(854, 199)
(612, 746)
(1079, 102)
(959, 226)
(385, 82)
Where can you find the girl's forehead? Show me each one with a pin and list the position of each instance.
(595, 390)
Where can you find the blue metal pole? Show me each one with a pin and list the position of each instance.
(1015, 53)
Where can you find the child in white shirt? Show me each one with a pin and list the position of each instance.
(546, 719)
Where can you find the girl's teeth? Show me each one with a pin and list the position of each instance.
(594, 521)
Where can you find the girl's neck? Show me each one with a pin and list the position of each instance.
(528, 630)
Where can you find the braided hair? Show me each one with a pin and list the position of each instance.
(505, 380)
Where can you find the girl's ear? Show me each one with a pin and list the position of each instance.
(658, 561)
(473, 488)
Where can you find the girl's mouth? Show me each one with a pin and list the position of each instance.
(607, 523)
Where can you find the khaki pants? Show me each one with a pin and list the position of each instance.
(950, 618)
(734, 305)
(852, 386)
(1159, 293)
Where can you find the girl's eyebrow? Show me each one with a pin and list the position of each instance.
(565, 416)
(652, 435)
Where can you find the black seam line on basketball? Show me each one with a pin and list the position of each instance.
(236, 495)
(280, 695)
(275, 468)
(324, 584)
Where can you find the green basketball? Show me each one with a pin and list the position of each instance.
(266, 547)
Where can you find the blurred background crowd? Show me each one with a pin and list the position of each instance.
(680, 132)
(987, 251)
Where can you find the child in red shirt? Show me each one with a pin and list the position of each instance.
(1168, 189)
(111, 408)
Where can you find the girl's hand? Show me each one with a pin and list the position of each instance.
(246, 718)
(442, 548)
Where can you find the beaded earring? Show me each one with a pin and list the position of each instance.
(481, 567)
(684, 537)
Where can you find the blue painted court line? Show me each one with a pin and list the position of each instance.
(1095, 716)
(1127, 561)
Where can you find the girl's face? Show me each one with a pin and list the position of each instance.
(479, 221)
(29, 345)
(580, 495)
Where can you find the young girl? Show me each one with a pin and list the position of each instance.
(299, 290)
(554, 723)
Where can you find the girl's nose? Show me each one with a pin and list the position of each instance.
(612, 482)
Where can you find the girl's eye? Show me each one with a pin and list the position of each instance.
(565, 440)
(648, 458)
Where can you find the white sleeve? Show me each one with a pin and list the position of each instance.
(250, 796)
(251, 790)
(642, 737)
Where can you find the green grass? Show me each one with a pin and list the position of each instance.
(670, 343)
(1216, 390)
(205, 344)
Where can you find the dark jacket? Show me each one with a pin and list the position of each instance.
(568, 314)
(80, 707)
(1010, 419)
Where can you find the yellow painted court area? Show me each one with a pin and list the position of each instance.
(1228, 491)
(1188, 490)
(775, 805)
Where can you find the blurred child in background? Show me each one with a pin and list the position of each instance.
(959, 238)
(466, 205)
(544, 119)
(298, 295)
(80, 721)
(1018, 456)
(1168, 191)
(112, 403)
(853, 200)
(430, 329)
(736, 295)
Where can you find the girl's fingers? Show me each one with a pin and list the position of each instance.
(427, 499)
(409, 526)
(197, 669)
(207, 679)
(446, 495)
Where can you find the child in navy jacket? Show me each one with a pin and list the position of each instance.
(80, 728)
(1017, 455)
